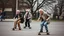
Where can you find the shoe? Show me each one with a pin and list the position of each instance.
(39, 33)
(24, 27)
(13, 28)
(48, 34)
(19, 29)
(29, 27)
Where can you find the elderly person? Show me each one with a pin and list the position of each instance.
(44, 17)
(18, 21)
(27, 18)
(17, 13)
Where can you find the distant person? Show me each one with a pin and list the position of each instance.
(44, 17)
(27, 18)
(2, 15)
(18, 21)
(17, 13)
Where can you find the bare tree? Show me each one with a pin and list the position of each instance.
(60, 6)
(32, 4)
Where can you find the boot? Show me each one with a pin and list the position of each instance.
(39, 33)
(29, 27)
(13, 28)
(25, 27)
(48, 33)
(19, 28)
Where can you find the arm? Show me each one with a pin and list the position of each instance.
(38, 18)
(49, 17)
(30, 15)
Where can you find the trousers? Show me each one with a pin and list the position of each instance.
(44, 23)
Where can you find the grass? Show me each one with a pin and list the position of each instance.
(57, 20)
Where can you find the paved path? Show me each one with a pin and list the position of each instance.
(55, 29)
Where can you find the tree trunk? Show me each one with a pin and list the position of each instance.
(58, 17)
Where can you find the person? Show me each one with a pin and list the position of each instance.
(44, 17)
(17, 13)
(18, 21)
(27, 18)
(2, 15)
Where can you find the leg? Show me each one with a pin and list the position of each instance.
(46, 27)
(41, 30)
(1, 18)
(15, 25)
(19, 24)
(29, 24)
(25, 23)
(42, 24)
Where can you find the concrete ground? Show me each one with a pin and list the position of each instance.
(55, 29)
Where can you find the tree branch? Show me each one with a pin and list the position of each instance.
(29, 1)
(40, 5)
(34, 2)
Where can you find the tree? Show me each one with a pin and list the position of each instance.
(34, 5)
(60, 6)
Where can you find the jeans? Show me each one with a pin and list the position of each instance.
(1, 17)
(44, 23)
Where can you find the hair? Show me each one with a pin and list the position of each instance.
(40, 9)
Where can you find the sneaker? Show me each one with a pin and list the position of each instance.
(19, 29)
(13, 28)
(39, 33)
(24, 27)
(29, 27)
(48, 34)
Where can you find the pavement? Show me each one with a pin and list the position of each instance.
(55, 29)
(11, 20)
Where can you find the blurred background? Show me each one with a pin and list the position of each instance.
(10, 7)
